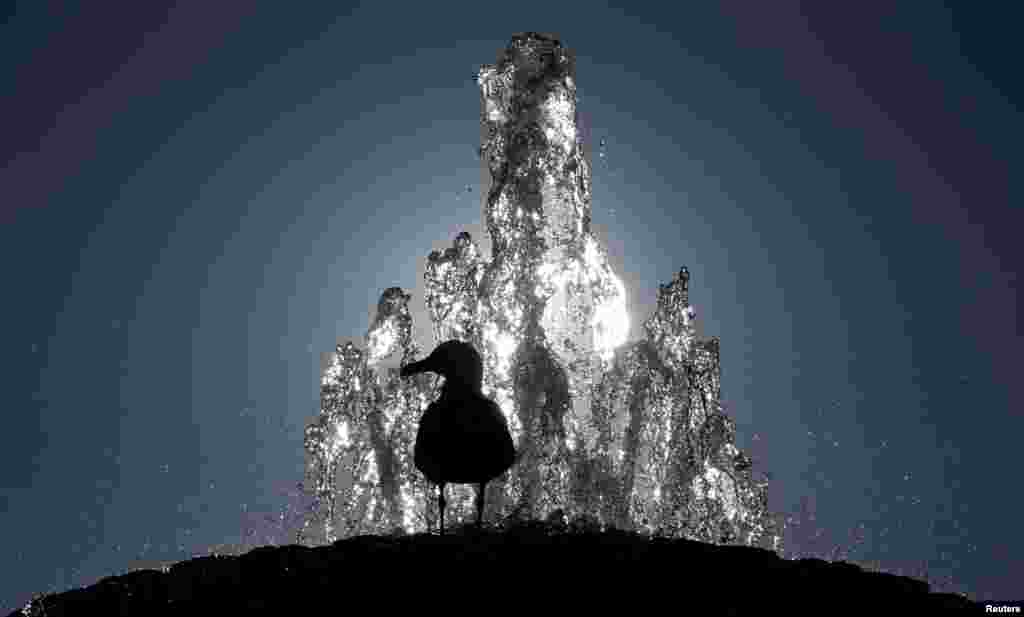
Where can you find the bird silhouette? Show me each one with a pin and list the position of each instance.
(463, 437)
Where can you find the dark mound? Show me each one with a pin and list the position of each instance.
(526, 568)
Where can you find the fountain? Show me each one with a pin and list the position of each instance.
(611, 434)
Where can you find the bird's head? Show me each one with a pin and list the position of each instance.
(456, 360)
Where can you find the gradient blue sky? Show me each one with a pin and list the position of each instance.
(196, 201)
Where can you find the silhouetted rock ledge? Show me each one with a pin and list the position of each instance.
(525, 568)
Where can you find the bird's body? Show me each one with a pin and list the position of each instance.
(463, 437)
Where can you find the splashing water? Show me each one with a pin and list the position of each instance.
(615, 434)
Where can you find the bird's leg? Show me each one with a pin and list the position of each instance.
(480, 504)
(440, 507)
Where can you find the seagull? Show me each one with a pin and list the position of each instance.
(463, 437)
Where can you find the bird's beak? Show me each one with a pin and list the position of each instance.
(415, 368)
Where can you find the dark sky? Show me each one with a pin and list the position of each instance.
(196, 201)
